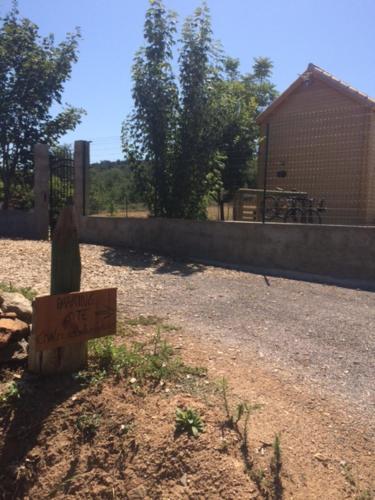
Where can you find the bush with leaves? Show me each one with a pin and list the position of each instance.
(33, 71)
(189, 141)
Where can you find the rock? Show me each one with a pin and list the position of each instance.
(14, 351)
(17, 303)
(321, 458)
(10, 315)
(12, 330)
(183, 480)
(137, 493)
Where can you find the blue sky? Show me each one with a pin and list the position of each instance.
(337, 35)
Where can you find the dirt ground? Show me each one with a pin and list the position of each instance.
(303, 351)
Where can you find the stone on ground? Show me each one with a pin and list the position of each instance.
(17, 303)
(13, 331)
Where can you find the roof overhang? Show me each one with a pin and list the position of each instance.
(313, 71)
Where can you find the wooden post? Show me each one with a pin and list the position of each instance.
(65, 278)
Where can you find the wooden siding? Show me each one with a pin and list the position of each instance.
(370, 174)
(320, 137)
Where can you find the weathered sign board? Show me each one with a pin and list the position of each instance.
(63, 319)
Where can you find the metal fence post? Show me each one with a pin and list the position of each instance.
(81, 166)
(265, 173)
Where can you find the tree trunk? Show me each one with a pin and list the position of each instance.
(65, 278)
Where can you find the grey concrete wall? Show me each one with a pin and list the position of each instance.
(342, 252)
(18, 223)
(33, 224)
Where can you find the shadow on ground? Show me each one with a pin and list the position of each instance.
(136, 260)
(22, 421)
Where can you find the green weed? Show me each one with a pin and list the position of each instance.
(27, 292)
(189, 421)
(153, 361)
(258, 476)
(86, 377)
(242, 409)
(88, 424)
(11, 394)
(364, 495)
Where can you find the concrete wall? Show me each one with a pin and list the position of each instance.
(18, 223)
(342, 252)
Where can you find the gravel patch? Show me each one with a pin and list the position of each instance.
(320, 335)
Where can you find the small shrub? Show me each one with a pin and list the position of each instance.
(154, 361)
(88, 424)
(242, 408)
(85, 377)
(27, 292)
(189, 421)
(11, 394)
(258, 476)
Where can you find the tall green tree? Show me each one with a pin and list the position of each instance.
(149, 133)
(33, 70)
(238, 100)
(198, 165)
(190, 141)
(259, 83)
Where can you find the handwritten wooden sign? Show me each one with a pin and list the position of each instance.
(59, 320)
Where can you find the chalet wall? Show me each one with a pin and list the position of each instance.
(370, 184)
(320, 138)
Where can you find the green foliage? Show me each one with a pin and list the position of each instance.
(112, 186)
(259, 82)
(88, 424)
(242, 409)
(148, 133)
(197, 169)
(188, 142)
(153, 361)
(33, 71)
(189, 421)
(11, 394)
(27, 292)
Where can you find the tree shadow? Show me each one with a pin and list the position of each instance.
(22, 420)
(117, 256)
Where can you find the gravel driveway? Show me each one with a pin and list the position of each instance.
(319, 335)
